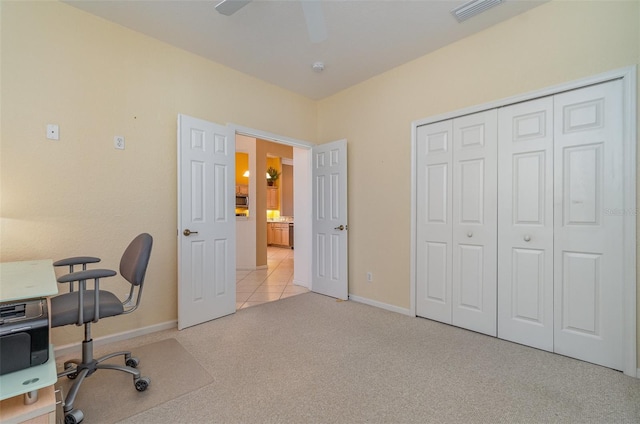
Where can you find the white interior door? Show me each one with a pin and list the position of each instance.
(525, 223)
(329, 226)
(206, 221)
(434, 229)
(474, 277)
(588, 228)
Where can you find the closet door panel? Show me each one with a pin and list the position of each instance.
(529, 177)
(525, 223)
(583, 184)
(471, 195)
(436, 273)
(589, 224)
(471, 281)
(528, 284)
(474, 222)
(434, 221)
(581, 286)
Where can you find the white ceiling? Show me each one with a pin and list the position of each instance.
(269, 40)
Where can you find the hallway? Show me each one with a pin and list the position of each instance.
(267, 285)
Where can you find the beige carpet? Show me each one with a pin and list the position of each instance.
(308, 359)
(109, 396)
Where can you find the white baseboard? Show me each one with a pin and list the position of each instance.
(251, 268)
(301, 284)
(100, 341)
(381, 305)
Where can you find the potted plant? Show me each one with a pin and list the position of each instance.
(272, 175)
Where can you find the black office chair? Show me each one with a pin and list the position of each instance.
(84, 307)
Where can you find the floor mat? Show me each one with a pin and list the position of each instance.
(107, 393)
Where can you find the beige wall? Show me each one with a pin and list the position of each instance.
(242, 165)
(554, 43)
(261, 202)
(551, 44)
(96, 80)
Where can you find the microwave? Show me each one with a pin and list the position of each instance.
(242, 201)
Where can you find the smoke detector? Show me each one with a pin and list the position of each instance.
(318, 67)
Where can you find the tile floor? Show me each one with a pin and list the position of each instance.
(267, 285)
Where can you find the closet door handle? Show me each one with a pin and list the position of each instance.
(527, 238)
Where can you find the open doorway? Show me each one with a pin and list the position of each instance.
(209, 238)
(268, 268)
(270, 284)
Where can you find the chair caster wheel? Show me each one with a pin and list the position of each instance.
(132, 362)
(74, 416)
(68, 366)
(73, 375)
(142, 383)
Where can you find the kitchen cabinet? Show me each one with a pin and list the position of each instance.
(272, 198)
(278, 234)
(269, 233)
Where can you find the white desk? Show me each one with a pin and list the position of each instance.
(29, 379)
(27, 280)
(19, 281)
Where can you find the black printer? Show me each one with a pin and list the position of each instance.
(24, 335)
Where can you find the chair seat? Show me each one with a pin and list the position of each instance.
(64, 308)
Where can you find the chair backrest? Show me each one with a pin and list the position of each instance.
(135, 259)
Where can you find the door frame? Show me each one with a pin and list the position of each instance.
(302, 253)
(628, 77)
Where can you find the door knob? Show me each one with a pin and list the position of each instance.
(188, 232)
(527, 238)
(341, 227)
(469, 234)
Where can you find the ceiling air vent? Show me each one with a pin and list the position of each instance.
(472, 8)
(229, 7)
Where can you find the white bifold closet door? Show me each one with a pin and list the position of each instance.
(588, 224)
(434, 149)
(560, 282)
(525, 223)
(457, 222)
(475, 222)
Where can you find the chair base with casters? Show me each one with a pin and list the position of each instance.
(84, 307)
(78, 370)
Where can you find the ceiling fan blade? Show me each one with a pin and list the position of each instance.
(229, 7)
(315, 20)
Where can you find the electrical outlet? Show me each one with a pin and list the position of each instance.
(118, 142)
(369, 277)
